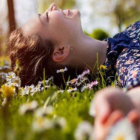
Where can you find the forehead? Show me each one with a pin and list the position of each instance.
(33, 26)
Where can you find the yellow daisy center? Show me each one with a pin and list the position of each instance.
(73, 80)
(10, 77)
(120, 137)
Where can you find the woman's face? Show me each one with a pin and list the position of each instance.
(55, 24)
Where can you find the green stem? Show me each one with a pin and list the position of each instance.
(97, 62)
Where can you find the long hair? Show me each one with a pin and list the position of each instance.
(33, 55)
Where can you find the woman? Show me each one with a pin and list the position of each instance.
(55, 40)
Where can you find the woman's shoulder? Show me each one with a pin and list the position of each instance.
(128, 38)
(133, 31)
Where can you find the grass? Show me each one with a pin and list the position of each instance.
(73, 107)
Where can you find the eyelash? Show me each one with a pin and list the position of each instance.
(47, 16)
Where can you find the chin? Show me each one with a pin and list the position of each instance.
(76, 13)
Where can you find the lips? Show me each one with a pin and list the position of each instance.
(66, 12)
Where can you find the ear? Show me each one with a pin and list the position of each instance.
(61, 53)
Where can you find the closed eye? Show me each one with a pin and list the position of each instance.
(47, 16)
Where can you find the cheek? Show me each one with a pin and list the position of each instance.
(57, 19)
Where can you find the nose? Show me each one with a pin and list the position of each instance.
(52, 7)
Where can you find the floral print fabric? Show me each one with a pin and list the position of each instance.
(128, 68)
(123, 57)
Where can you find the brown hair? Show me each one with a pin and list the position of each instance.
(34, 55)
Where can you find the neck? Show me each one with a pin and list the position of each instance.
(86, 51)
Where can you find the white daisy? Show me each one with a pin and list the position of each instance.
(59, 122)
(94, 83)
(46, 81)
(10, 75)
(72, 89)
(62, 70)
(84, 87)
(60, 91)
(41, 124)
(4, 102)
(84, 131)
(28, 107)
(84, 73)
(73, 81)
(122, 130)
(44, 111)
(13, 80)
(82, 80)
(92, 111)
(29, 90)
(38, 88)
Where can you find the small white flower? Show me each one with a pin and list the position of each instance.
(46, 81)
(46, 87)
(73, 81)
(84, 131)
(82, 81)
(22, 91)
(84, 87)
(84, 73)
(92, 111)
(60, 91)
(13, 80)
(50, 79)
(4, 102)
(10, 76)
(2, 75)
(16, 82)
(60, 122)
(41, 111)
(72, 89)
(29, 90)
(95, 83)
(122, 130)
(28, 107)
(41, 124)
(62, 70)
(38, 88)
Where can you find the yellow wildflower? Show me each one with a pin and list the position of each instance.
(8, 91)
(0, 90)
(103, 67)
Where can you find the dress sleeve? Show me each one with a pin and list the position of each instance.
(126, 40)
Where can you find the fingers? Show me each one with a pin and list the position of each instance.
(104, 102)
(134, 118)
(114, 117)
(102, 108)
(102, 129)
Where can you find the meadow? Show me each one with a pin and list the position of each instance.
(45, 111)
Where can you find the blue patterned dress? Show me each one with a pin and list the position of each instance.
(123, 57)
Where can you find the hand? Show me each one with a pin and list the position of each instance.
(112, 104)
